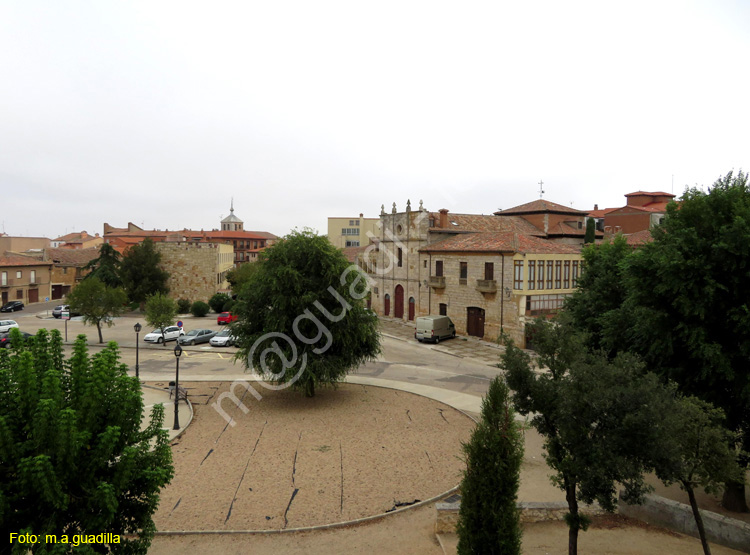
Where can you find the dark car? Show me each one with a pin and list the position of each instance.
(5, 339)
(196, 336)
(12, 306)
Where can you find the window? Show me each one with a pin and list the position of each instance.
(19, 294)
(544, 304)
(489, 270)
(540, 274)
(575, 273)
(18, 274)
(4, 278)
(566, 275)
(443, 309)
(65, 269)
(350, 231)
(549, 274)
(439, 268)
(558, 273)
(400, 257)
(33, 276)
(518, 274)
(352, 243)
(463, 270)
(424, 264)
(532, 274)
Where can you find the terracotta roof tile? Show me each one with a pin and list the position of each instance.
(540, 206)
(508, 242)
(481, 223)
(639, 238)
(68, 257)
(18, 260)
(650, 194)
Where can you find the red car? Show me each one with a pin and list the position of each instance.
(226, 318)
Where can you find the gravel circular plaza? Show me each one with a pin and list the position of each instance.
(292, 462)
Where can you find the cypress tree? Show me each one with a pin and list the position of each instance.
(489, 519)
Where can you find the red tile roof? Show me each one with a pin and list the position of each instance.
(17, 260)
(541, 206)
(639, 238)
(458, 223)
(68, 257)
(506, 242)
(649, 194)
(601, 213)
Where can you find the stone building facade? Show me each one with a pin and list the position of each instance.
(481, 271)
(196, 270)
(24, 279)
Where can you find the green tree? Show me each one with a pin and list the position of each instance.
(489, 519)
(106, 267)
(696, 453)
(199, 309)
(596, 306)
(161, 311)
(305, 300)
(73, 459)
(590, 236)
(218, 301)
(141, 274)
(240, 275)
(97, 303)
(597, 418)
(688, 297)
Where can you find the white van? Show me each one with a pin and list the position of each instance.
(434, 328)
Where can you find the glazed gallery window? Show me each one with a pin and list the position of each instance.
(549, 273)
(566, 275)
(518, 274)
(558, 273)
(575, 273)
(540, 274)
(532, 274)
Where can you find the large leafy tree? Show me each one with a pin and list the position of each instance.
(688, 303)
(696, 453)
(161, 310)
(106, 267)
(73, 457)
(489, 519)
(240, 275)
(596, 306)
(140, 272)
(97, 303)
(597, 417)
(302, 320)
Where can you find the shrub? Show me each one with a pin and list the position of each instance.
(229, 305)
(183, 306)
(199, 309)
(218, 301)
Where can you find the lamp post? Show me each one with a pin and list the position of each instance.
(177, 353)
(137, 329)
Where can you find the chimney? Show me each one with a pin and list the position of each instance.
(596, 207)
(361, 215)
(443, 217)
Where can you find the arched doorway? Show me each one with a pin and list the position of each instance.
(387, 305)
(398, 309)
(411, 308)
(475, 321)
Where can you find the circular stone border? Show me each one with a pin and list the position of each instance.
(342, 524)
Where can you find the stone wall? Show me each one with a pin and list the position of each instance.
(195, 270)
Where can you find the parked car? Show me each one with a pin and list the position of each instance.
(172, 333)
(222, 339)
(5, 339)
(434, 328)
(59, 309)
(226, 318)
(196, 336)
(5, 325)
(12, 306)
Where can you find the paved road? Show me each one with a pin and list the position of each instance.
(463, 364)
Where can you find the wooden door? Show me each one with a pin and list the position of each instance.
(387, 305)
(475, 321)
(411, 308)
(398, 309)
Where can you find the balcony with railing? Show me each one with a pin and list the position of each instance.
(437, 282)
(487, 285)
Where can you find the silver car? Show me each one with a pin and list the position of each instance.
(170, 334)
(222, 339)
(196, 336)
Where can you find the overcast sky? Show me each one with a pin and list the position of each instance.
(159, 113)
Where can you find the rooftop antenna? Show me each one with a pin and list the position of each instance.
(541, 191)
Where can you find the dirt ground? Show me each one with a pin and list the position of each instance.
(293, 462)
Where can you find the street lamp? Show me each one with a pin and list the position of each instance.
(177, 353)
(137, 329)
